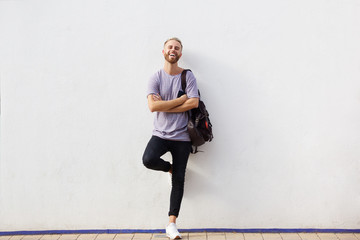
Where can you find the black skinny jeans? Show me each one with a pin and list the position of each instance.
(180, 152)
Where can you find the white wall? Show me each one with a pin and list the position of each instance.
(280, 79)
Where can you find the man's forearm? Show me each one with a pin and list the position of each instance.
(164, 106)
(187, 105)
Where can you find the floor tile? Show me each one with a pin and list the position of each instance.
(216, 236)
(87, 237)
(105, 236)
(271, 236)
(5, 237)
(51, 237)
(197, 236)
(17, 237)
(327, 236)
(124, 236)
(32, 237)
(69, 236)
(142, 236)
(346, 236)
(234, 236)
(290, 236)
(309, 236)
(159, 236)
(357, 235)
(253, 236)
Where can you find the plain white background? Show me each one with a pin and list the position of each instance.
(280, 80)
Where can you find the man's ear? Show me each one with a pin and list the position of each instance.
(163, 51)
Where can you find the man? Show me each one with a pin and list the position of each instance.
(170, 104)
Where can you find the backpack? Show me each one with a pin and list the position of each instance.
(199, 125)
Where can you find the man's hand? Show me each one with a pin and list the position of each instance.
(184, 97)
(156, 104)
(156, 97)
(190, 103)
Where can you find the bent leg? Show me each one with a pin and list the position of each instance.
(154, 150)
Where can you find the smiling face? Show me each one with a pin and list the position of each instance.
(172, 51)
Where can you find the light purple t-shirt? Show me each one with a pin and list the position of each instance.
(171, 126)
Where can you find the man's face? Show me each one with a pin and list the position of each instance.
(172, 51)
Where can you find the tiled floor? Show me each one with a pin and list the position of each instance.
(193, 236)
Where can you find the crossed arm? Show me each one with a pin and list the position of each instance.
(180, 104)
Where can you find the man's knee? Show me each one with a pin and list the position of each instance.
(148, 161)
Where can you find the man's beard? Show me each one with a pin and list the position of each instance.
(173, 60)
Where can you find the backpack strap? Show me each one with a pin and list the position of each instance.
(183, 87)
(183, 79)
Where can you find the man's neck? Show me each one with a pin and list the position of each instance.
(172, 69)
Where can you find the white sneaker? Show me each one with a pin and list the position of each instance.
(172, 232)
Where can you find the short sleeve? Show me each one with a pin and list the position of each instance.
(153, 85)
(191, 86)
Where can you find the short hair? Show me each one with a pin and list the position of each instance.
(176, 39)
